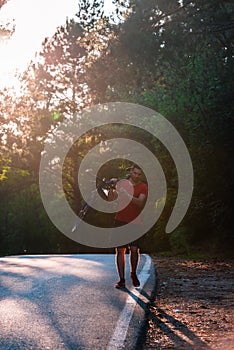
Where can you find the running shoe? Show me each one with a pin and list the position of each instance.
(120, 284)
(135, 280)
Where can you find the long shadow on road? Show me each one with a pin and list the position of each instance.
(177, 331)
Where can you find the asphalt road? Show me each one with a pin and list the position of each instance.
(69, 302)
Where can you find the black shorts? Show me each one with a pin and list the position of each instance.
(136, 243)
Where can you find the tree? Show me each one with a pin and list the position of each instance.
(7, 28)
(175, 57)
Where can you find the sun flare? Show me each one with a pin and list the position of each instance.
(34, 21)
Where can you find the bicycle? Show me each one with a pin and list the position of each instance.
(101, 189)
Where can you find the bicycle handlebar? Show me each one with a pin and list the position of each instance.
(109, 183)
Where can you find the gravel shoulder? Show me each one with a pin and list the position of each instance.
(193, 307)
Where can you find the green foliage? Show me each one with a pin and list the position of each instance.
(90, 12)
(4, 168)
(180, 240)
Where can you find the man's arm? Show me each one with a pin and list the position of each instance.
(139, 201)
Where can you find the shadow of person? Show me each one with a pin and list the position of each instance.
(177, 331)
(139, 296)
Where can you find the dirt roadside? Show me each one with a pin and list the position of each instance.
(193, 307)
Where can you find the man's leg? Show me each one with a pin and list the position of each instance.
(120, 263)
(134, 259)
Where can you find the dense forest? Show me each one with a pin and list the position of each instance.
(175, 57)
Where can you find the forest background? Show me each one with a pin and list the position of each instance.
(175, 57)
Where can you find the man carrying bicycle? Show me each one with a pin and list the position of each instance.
(132, 191)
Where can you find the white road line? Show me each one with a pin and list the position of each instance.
(120, 332)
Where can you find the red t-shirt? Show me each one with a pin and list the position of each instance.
(131, 211)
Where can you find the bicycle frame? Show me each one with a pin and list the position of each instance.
(92, 197)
